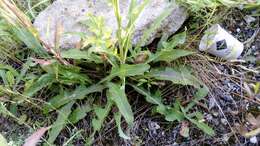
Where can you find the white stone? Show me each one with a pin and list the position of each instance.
(224, 121)
(249, 19)
(253, 140)
(69, 13)
(238, 30)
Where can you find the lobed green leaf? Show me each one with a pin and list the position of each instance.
(117, 117)
(179, 75)
(169, 55)
(44, 81)
(60, 123)
(79, 113)
(101, 114)
(117, 95)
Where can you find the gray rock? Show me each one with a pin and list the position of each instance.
(69, 14)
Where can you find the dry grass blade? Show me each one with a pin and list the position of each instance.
(14, 16)
(58, 34)
(35, 137)
(252, 133)
(11, 13)
(248, 90)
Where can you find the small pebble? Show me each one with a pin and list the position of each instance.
(225, 137)
(215, 122)
(249, 19)
(220, 67)
(253, 140)
(10, 143)
(238, 30)
(224, 121)
(211, 103)
(209, 117)
(215, 114)
(153, 126)
(234, 112)
(222, 102)
(163, 133)
(247, 106)
(228, 98)
(226, 81)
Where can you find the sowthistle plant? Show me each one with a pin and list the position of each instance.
(71, 84)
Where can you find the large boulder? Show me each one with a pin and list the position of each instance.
(70, 14)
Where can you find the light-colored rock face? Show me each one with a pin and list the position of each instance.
(69, 14)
